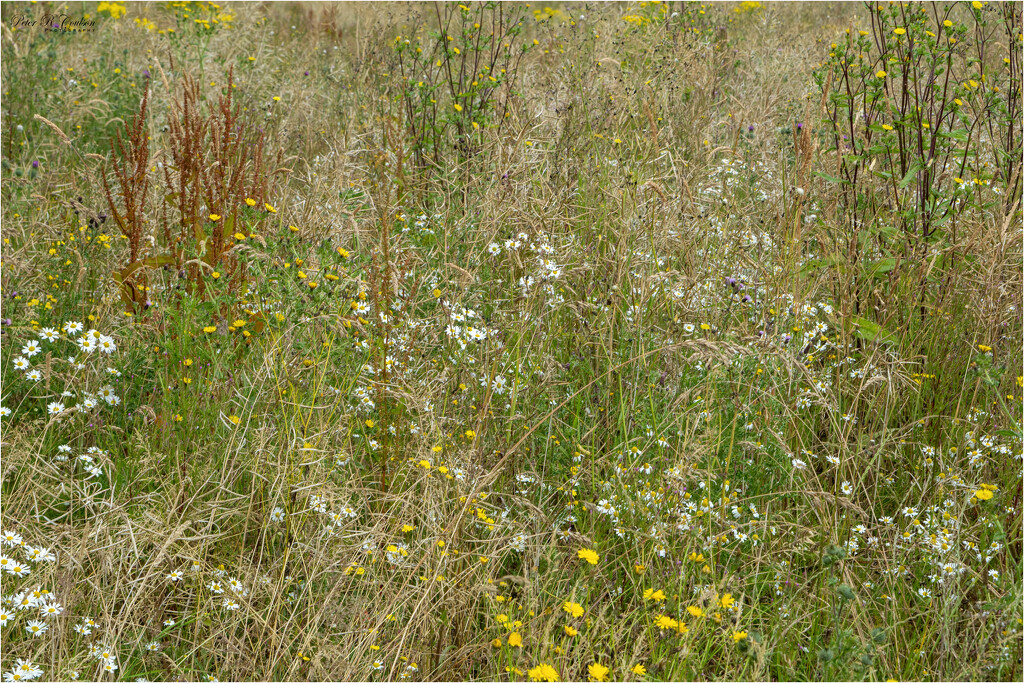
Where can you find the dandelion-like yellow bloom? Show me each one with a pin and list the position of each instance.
(573, 608)
(666, 622)
(543, 672)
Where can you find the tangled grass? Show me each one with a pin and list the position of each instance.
(478, 341)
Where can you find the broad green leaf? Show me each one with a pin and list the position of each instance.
(871, 331)
(911, 173)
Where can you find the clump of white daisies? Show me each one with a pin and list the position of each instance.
(27, 614)
(28, 611)
(82, 345)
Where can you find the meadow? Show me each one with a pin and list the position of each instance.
(480, 341)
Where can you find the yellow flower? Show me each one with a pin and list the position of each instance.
(214, 217)
(210, 329)
(114, 9)
(639, 670)
(573, 608)
(496, 642)
(239, 236)
(234, 419)
(269, 208)
(569, 630)
(215, 274)
(727, 601)
(881, 73)
(588, 555)
(900, 31)
(342, 252)
(543, 672)
(458, 107)
(515, 640)
(983, 494)
(250, 201)
(737, 636)
(598, 672)
(656, 595)
(695, 611)
(666, 622)
(976, 4)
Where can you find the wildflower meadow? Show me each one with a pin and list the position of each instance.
(511, 341)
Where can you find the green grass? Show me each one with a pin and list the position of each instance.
(641, 314)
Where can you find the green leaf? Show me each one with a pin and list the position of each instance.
(872, 331)
(879, 268)
(960, 135)
(818, 263)
(911, 173)
(831, 179)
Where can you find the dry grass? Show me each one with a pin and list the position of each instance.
(827, 473)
